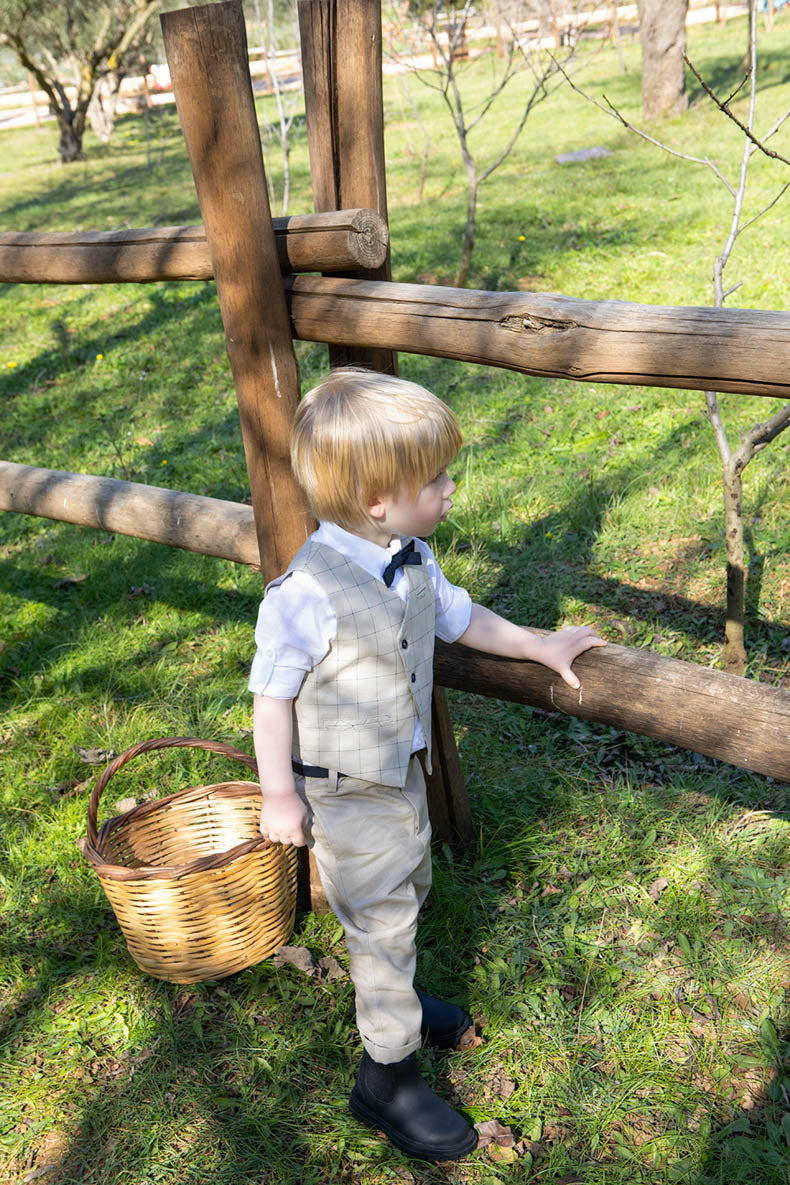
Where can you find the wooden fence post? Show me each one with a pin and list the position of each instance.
(206, 50)
(341, 67)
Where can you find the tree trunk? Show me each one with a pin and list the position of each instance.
(662, 32)
(70, 146)
(734, 646)
(462, 274)
(103, 107)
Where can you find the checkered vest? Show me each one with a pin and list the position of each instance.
(356, 710)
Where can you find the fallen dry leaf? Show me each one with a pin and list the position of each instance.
(470, 1039)
(491, 1131)
(755, 1089)
(331, 968)
(657, 888)
(295, 956)
(501, 1155)
(184, 1002)
(498, 1084)
(94, 756)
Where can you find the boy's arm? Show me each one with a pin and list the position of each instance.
(493, 634)
(283, 813)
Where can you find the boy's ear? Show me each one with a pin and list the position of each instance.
(376, 508)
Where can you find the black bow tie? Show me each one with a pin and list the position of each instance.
(407, 555)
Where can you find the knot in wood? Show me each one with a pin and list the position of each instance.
(528, 323)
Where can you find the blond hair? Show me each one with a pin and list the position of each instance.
(360, 435)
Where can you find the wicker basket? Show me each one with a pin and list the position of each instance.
(197, 890)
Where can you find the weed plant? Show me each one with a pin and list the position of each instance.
(619, 930)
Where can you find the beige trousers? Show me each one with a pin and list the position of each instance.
(372, 847)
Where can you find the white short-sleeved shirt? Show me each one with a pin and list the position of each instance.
(296, 622)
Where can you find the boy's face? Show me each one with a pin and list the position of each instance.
(407, 515)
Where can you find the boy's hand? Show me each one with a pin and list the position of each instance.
(283, 817)
(492, 634)
(558, 650)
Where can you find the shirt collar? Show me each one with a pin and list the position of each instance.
(362, 552)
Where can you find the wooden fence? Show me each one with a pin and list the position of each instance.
(364, 317)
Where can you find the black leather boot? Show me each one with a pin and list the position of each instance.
(443, 1024)
(396, 1099)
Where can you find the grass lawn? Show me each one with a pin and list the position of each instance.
(620, 931)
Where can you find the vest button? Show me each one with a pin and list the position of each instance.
(414, 678)
(404, 645)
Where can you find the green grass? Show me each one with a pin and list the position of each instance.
(620, 930)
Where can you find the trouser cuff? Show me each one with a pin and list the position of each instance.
(387, 1055)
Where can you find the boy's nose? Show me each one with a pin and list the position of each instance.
(450, 488)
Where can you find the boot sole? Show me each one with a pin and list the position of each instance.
(371, 1119)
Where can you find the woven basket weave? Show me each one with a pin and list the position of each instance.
(197, 891)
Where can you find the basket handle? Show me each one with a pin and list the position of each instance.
(152, 746)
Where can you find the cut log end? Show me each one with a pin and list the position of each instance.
(371, 238)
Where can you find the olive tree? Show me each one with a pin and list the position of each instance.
(69, 46)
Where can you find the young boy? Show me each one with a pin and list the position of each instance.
(342, 681)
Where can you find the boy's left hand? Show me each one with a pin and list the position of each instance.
(558, 650)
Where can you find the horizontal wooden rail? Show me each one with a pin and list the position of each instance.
(723, 716)
(551, 336)
(209, 526)
(339, 241)
(731, 719)
(599, 341)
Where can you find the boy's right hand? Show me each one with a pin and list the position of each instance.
(283, 817)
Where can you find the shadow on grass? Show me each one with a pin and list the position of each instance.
(81, 197)
(254, 1091)
(594, 927)
(220, 1091)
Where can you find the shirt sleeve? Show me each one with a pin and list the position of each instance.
(453, 604)
(296, 625)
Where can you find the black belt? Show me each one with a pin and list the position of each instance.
(309, 771)
(319, 771)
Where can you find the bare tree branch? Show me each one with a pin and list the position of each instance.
(772, 132)
(760, 435)
(611, 110)
(739, 87)
(539, 93)
(713, 415)
(723, 106)
(765, 209)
